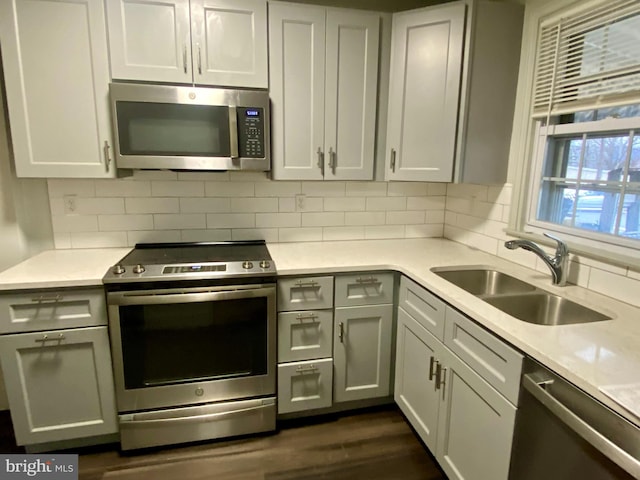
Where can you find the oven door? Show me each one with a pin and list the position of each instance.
(189, 346)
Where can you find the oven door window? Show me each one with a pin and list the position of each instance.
(168, 129)
(166, 344)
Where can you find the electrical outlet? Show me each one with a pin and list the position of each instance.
(300, 202)
(70, 205)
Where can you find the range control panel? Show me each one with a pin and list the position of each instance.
(251, 132)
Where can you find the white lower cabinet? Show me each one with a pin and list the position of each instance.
(464, 419)
(362, 352)
(59, 384)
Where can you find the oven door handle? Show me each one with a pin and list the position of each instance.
(160, 297)
(190, 419)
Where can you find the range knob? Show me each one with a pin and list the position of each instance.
(265, 264)
(138, 269)
(247, 265)
(118, 269)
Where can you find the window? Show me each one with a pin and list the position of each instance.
(586, 106)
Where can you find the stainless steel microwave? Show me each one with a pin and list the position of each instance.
(190, 128)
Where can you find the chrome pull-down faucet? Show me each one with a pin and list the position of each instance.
(558, 264)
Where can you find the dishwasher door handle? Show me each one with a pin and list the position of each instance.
(612, 451)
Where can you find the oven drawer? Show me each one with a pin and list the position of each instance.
(305, 293)
(304, 335)
(52, 309)
(305, 385)
(373, 288)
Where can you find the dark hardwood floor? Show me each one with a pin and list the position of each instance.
(369, 445)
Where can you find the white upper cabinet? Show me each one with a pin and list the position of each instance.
(452, 91)
(206, 42)
(56, 74)
(426, 59)
(324, 78)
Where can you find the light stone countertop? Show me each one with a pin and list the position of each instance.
(589, 355)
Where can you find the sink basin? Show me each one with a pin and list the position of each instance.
(483, 282)
(545, 309)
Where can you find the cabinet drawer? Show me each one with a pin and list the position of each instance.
(305, 385)
(422, 305)
(305, 293)
(364, 289)
(304, 335)
(52, 309)
(496, 362)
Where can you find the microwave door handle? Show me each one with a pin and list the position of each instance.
(233, 132)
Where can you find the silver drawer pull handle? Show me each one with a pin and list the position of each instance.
(341, 332)
(306, 317)
(310, 283)
(306, 368)
(432, 363)
(45, 338)
(45, 299)
(367, 280)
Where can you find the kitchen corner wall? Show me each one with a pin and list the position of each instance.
(166, 206)
(477, 215)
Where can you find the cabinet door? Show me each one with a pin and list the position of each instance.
(476, 424)
(362, 352)
(229, 42)
(57, 80)
(296, 73)
(424, 87)
(59, 387)
(351, 94)
(415, 390)
(150, 40)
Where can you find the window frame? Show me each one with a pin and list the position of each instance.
(526, 155)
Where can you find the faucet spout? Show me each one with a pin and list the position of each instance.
(557, 264)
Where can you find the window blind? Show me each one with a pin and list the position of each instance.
(588, 59)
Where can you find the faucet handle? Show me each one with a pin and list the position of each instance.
(561, 248)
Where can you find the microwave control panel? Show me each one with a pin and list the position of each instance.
(251, 132)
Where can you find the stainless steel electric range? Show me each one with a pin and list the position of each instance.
(193, 340)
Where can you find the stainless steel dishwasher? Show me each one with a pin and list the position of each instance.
(564, 434)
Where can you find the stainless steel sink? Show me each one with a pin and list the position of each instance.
(518, 298)
(483, 282)
(545, 308)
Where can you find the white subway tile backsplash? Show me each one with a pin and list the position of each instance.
(238, 176)
(229, 189)
(177, 189)
(266, 234)
(61, 240)
(365, 218)
(115, 223)
(180, 221)
(216, 235)
(426, 203)
(152, 236)
(617, 286)
(491, 211)
(300, 235)
(287, 204)
(205, 205)
(435, 216)
(437, 189)
(204, 176)
(75, 223)
(122, 188)
(386, 231)
(500, 194)
(342, 233)
(152, 205)
(405, 217)
(424, 231)
(59, 187)
(277, 220)
(322, 219)
(479, 241)
(98, 239)
(155, 175)
(459, 205)
(311, 204)
(88, 206)
(407, 189)
(277, 189)
(324, 189)
(466, 190)
(366, 189)
(344, 204)
(231, 220)
(255, 205)
(386, 203)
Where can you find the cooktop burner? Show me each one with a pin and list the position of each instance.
(205, 260)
